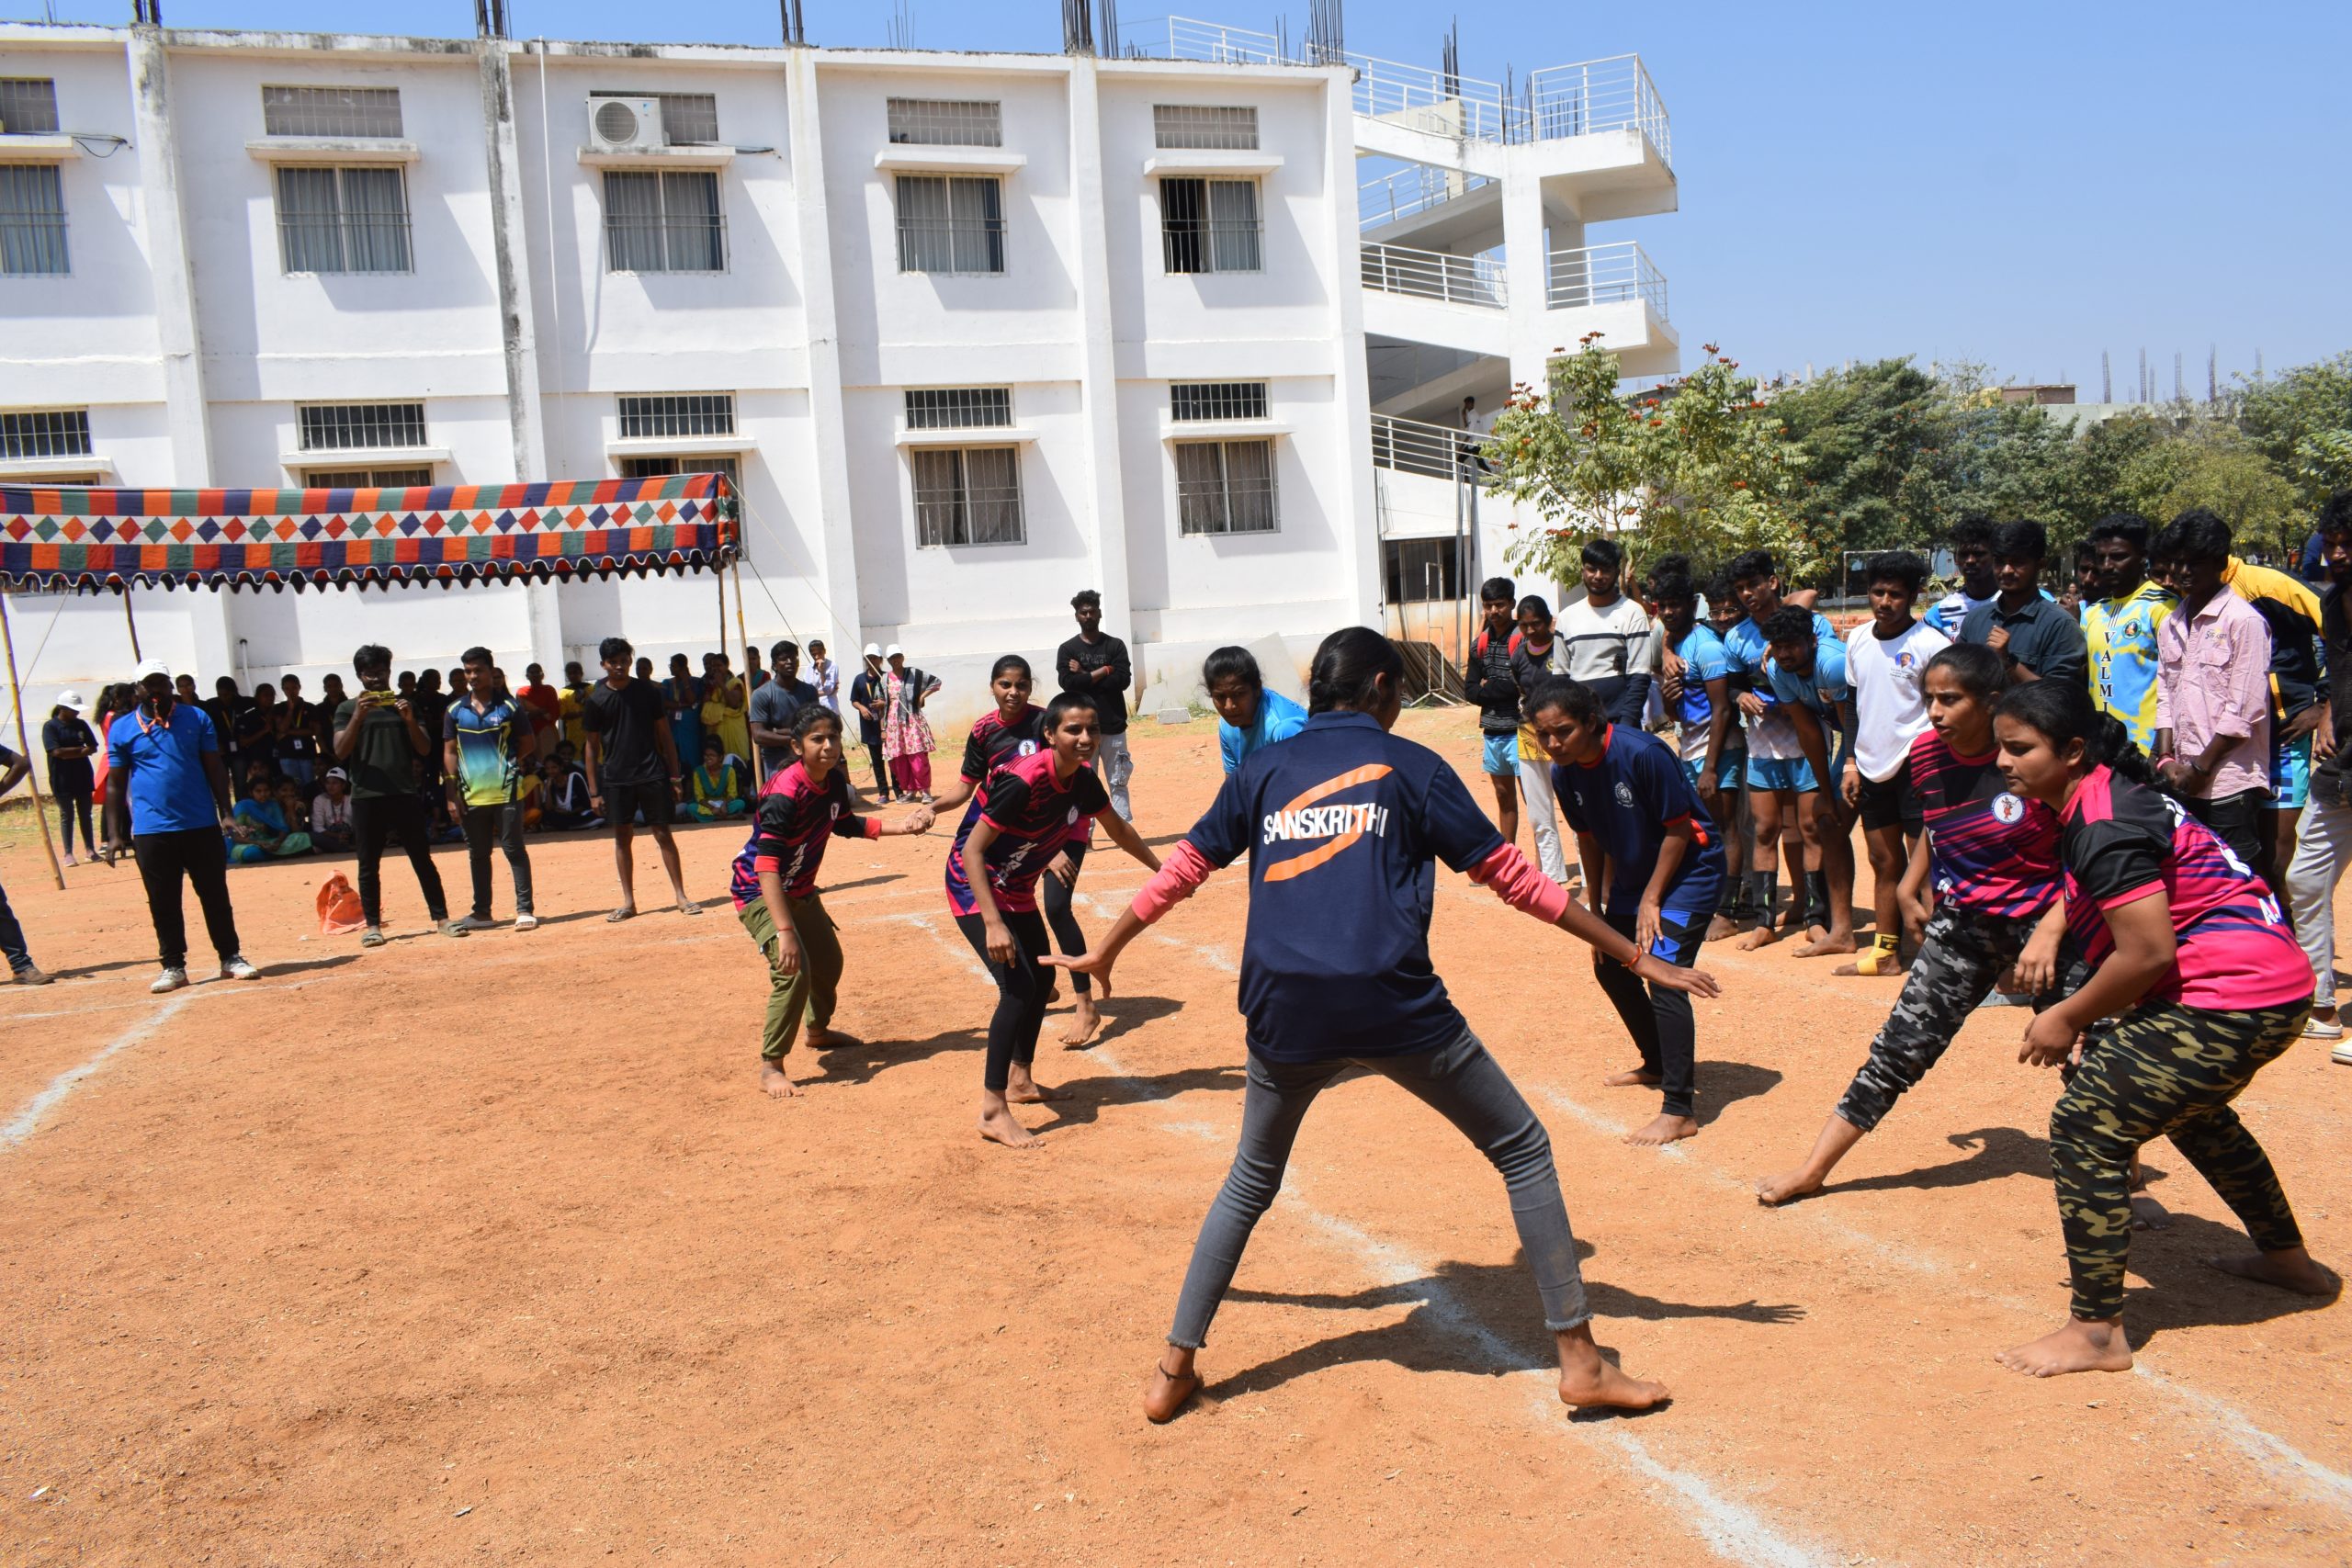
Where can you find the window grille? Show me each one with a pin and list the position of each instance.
(670, 416)
(27, 106)
(664, 222)
(967, 495)
(1420, 571)
(368, 478)
(360, 427)
(687, 119)
(331, 111)
(1210, 225)
(1227, 127)
(1216, 400)
(32, 220)
(950, 223)
(946, 122)
(956, 408)
(1225, 487)
(351, 219)
(644, 468)
(45, 433)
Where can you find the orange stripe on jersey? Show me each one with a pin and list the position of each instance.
(1300, 865)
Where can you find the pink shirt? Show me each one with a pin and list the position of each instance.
(2214, 681)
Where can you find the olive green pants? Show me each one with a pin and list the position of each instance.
(812, 988)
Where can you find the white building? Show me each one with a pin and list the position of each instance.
(973, 330)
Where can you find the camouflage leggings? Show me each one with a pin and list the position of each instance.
(2164, 1071)
(1961, 954)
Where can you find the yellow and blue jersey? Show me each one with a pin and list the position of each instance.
(2121, 635)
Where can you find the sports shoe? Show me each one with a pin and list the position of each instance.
(2324, 1028)
(526, 921)
(70, 859)
(2341, 1055)
(31, 974)
(465, 924)
(169, 980)
(372, 937)
(234, 967)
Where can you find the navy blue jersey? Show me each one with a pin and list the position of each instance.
(1627, 800)
(1342, 824)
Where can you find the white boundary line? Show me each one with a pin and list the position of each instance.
(28, 1116)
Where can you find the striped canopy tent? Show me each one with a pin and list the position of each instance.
(64, 538)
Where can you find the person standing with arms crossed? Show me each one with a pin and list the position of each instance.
(167, 797)
(378, 737)
(633, 767)
(1095, 665)
(867, 690)
(73, 778)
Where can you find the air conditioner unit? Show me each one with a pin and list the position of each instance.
(625, 124)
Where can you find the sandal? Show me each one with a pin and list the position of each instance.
(1884, 956)
(624, 913)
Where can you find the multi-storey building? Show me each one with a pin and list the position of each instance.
(1190, 324)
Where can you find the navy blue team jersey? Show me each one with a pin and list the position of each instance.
(1627, 800)
(1341, 823)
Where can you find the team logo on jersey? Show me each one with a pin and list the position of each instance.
(1339, 826)
(1624, 793)
(1026, 748)
(2008, 809)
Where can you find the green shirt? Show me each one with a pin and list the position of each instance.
(384, 762)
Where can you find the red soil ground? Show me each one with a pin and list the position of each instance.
(491, 1251)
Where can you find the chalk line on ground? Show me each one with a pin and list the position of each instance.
(28, 1116)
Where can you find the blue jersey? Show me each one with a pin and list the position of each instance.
(1342, 824)
(1750, 654)
(1627, 800)
(1278, 718)
(1704, 659)
(1825, 691)
(170, 791)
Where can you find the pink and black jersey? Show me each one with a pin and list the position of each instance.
(790, 828)
(2123, 842)
(1034, 815)
(993, 743)
(1990, 851)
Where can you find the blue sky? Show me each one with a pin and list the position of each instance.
(2019, 183)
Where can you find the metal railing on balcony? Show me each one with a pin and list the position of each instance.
(1183, 37)
(1415, 446)
(1422, 99)
(1596, 96)
(1604, 275)
(1432, 275)
(1414, 189)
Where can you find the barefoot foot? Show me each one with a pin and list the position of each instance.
(2290, 1271)
(1588, 1380)
(1166, 1392)
(777, 1086)
(999, 1127)
(819, 1038)
(2084, 1344)
(2147, 1214)
(1034, 1094)
(1083, 1023)
(1638, 1077)
(1665, 1129)
(1788, 1187)
(1763, 936)
(1826, 944)
(1721, 927)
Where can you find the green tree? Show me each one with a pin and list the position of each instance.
(2301, 426)
(1875, 439)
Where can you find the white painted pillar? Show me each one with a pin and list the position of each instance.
(179, 347)
(1351, 391)
(1105, 517)
(832, 526)
(518, 327)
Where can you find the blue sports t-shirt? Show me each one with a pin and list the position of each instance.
(1823, 690)
(1341, 823)
(1750, 654)
(1704, 659)
(1627, 800)
(1278, 718)
(169, 790)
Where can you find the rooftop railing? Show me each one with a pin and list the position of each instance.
(1414, 189)
(1604, 275)
(1432, 275)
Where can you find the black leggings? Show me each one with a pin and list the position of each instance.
(1067, 934)
(71, 805)
(1021, 988)
(881, 770)
(373, 819)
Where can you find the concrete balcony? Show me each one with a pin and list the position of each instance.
(1430, 297)
(1617, 291)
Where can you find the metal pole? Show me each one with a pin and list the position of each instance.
(131, 621)
(743, 646)
(24, 743)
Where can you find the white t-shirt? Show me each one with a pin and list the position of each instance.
(1890, 710)
(1607, 641)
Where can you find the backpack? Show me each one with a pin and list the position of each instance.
(1478, 644)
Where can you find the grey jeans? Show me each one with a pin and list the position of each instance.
(2322, 855)
(1117, 765)
(1462, 1083)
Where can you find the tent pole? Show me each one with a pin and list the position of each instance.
(23, 741)
(131, 621)
(743, 646)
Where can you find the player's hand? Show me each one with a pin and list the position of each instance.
(595, 803)
(1646, 925)
(1851, 787)
(2037, 967)
(1658, 972)
(918, 820)
(1997, 639)
(2049, 1040)
(1096, 965)
(1751, 704)
(1915, 918)
(1002, 949)
(1063, 869)
(788, 955)
(401, 706)
(1076, 668)
(1709, 785)
(2324, 743)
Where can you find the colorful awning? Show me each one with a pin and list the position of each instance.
(56, 538)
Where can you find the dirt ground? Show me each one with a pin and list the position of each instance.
(490, 1251)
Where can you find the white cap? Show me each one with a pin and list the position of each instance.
(873, 650)
(73, 702)
(893, 651)
(152, 667)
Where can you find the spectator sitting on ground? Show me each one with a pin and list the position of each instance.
(568, 800)
(290, 805)
(261, 832)
(331, 813)
(717, 787)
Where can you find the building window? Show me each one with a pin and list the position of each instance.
(967, 495)
(351, 219)
(1420, 571)
(950, 223)
(415, 477)
(1225, 487)
(1191, 400)
(27, 106)
(1223, 128)
(331, 111)
(960, 408)
(32, 219)
(688, 119)
(645, 467)
(360, 427)
(672, 416)
(1210, 225)
(946, 122)
(663, 222)
(45, 433)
